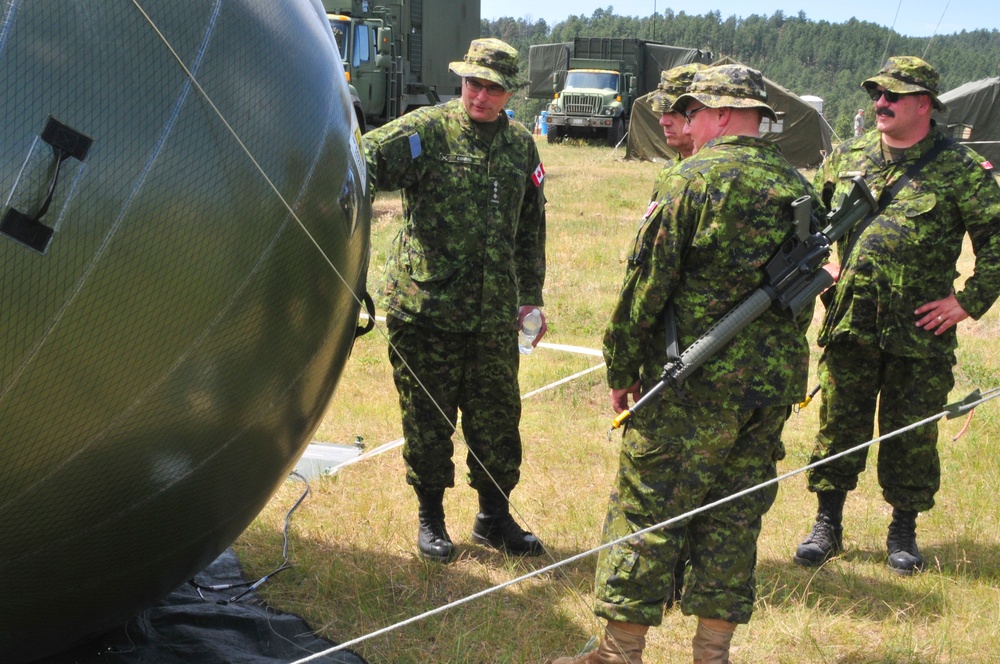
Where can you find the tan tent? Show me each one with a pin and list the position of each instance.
(802, 132)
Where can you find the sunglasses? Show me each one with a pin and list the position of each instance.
(891, 97)
(493, 90)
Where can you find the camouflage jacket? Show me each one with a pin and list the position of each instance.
(723, 213)
(472, 245)
(649, 224)
(906, 257)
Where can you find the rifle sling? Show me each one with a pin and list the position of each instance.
(889, 193)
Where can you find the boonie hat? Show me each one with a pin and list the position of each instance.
(491, 60)
(907, 74)
(673, 83)
(728, 86)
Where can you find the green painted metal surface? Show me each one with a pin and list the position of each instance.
(171, 335)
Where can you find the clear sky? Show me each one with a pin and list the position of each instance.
(914, 18)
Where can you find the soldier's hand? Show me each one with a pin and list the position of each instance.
(940, 315)
(619, 397)
(523, 311)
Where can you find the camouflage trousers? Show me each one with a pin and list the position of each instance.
(447, 372)
(854, 377)
(674, 459)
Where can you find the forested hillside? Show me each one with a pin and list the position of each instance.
(808, 57)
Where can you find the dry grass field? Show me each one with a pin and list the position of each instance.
(353, 540)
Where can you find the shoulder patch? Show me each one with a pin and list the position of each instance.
(651, 209)
(538, 175)
(987, 166)
(415, 148)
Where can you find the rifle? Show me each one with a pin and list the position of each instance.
(793, 278)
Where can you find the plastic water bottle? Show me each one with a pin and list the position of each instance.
(530, 326)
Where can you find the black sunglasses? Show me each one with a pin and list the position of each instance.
(891, 97)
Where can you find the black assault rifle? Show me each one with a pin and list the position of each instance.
(793, 278)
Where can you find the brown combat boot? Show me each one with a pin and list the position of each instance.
(623, 643)
(711, 641)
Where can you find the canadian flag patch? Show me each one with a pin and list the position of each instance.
(986, 165)
(538, 175)
(651, 209)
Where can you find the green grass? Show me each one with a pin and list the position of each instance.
(353, 540)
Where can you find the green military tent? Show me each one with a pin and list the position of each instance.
(801, 132)
(973, 116)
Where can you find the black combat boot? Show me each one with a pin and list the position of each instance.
(827, 537)
(496, 527)
(904, 557)
(432, 538)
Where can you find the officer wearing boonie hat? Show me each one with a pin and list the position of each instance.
(728, 86)
(889, 333)
(673, 83)
(491, 60)
(470, 178)
(722, 210)
(907, 74)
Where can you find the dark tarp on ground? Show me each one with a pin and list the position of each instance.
(187, 629)
(976, 105)
(805, 132)
(546, 59)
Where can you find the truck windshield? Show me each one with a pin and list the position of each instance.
(601, 80)
(340, 26)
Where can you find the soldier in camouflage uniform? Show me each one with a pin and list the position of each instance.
(889, 332)
(673, 83)
(467, 266)
(724, 212)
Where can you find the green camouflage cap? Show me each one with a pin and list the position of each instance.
(728, 86)
(907, 74)
(491, 60)
(673, 83)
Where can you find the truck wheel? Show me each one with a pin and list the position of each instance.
(553, 134)
(359, 113)
(617, 132)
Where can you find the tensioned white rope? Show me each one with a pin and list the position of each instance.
(888, 37)
(393, 444)
(952, 410)
(936, 27)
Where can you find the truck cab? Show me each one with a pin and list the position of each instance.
(396, 52)
(591, 101)
(366, 67)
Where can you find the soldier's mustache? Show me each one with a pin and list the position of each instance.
(887, 112)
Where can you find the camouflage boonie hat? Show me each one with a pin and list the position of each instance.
(491, 60)
(907, 74)
(728, 86)
(673, 83)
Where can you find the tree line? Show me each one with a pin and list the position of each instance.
(828, 60)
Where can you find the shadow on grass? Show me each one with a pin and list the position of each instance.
(845, 586)
(345, 593)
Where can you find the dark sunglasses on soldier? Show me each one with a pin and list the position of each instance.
(891, 97)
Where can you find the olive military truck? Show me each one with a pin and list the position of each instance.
(396, 52)
(592, 82)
